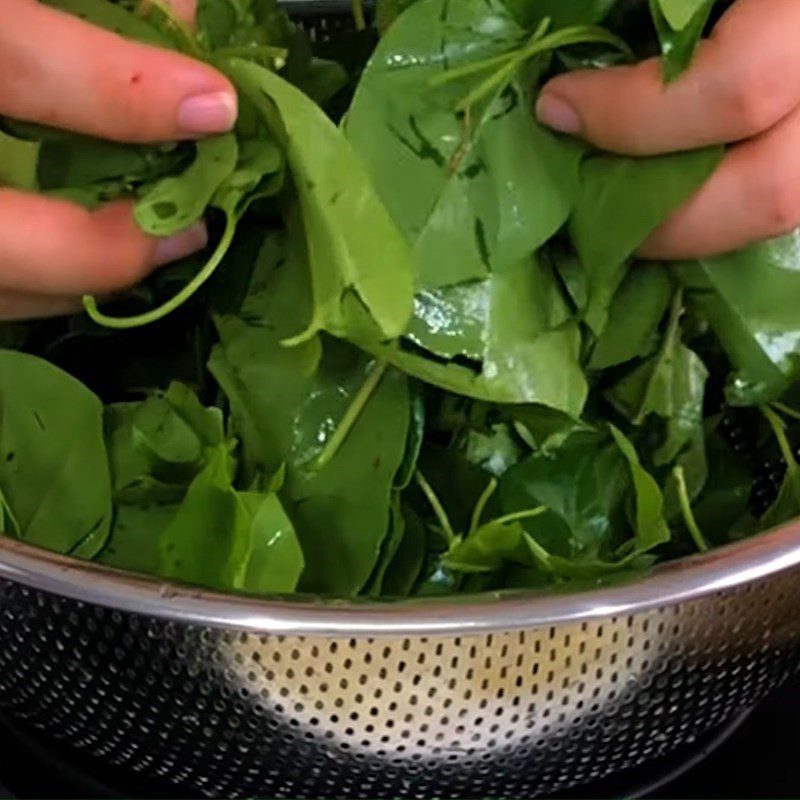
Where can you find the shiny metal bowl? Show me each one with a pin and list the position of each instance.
(511, 696)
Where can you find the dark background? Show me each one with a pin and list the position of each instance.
(757, 757)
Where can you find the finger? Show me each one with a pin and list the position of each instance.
(745, 78)
(58, 248)
(753, 195)
(15, 306)
(90, 80)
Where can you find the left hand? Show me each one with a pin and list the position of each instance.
(58, 70)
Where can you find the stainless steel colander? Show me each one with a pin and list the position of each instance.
(507, 697)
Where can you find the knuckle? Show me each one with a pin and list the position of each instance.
(780, 202)
(754, 100)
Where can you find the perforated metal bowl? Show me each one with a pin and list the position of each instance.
(493, 697)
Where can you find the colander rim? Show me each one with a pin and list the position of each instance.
(722, 569)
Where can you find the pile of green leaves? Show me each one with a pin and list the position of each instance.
(421, 356)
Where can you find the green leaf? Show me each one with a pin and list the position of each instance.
(725, 499)
(387, 11)
(494, 451)
(748, 299)
(679, 13)
(351, 273)
(489, 548)
(342, 509)
(72, 161)
(389, 548)
(206, 542)
(495, 546)
(177, 202)
(583, 484)
(134, 543)
(229, 541)
(54, 473)
(622, 201)
(287, 402)
(680, 25)
(404, 569)
(636, 312)
(650, 526)
(416, 439)
(671, 385)
(545, 429)
(216, 22)
(514, 326)
(250, 355)
(18, 162)
(465, 206)
(157, 446)
(259, 173)
(276, 559)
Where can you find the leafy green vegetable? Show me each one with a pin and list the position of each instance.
(650, 526)
(286, 405)
(351, 273)
(54, 474)
(680, 25)
(230, 540)
(18, 162)
(421, 356)
(747, 298)
(635, 314)
(672, 385)
(680, 13)
(622, 201)
(175, 203)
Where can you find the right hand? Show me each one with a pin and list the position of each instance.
(59, 71)
(743, 90)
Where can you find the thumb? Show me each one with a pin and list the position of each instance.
(744, 79)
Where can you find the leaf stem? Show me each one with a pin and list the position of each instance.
(473, 67)
(358, 14)
(149, 317)
(539, 553)
(518, 516)
(786, 410)
(538, 44)
(686, 510)
(438, 508)
(352, 414)
(779, 429)
(7, 514)
(480, 506)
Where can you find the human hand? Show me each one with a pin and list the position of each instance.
(59, 71)
(742, 89)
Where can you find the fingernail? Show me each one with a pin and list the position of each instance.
(557, 114)
(180, 245)
(208, 113)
